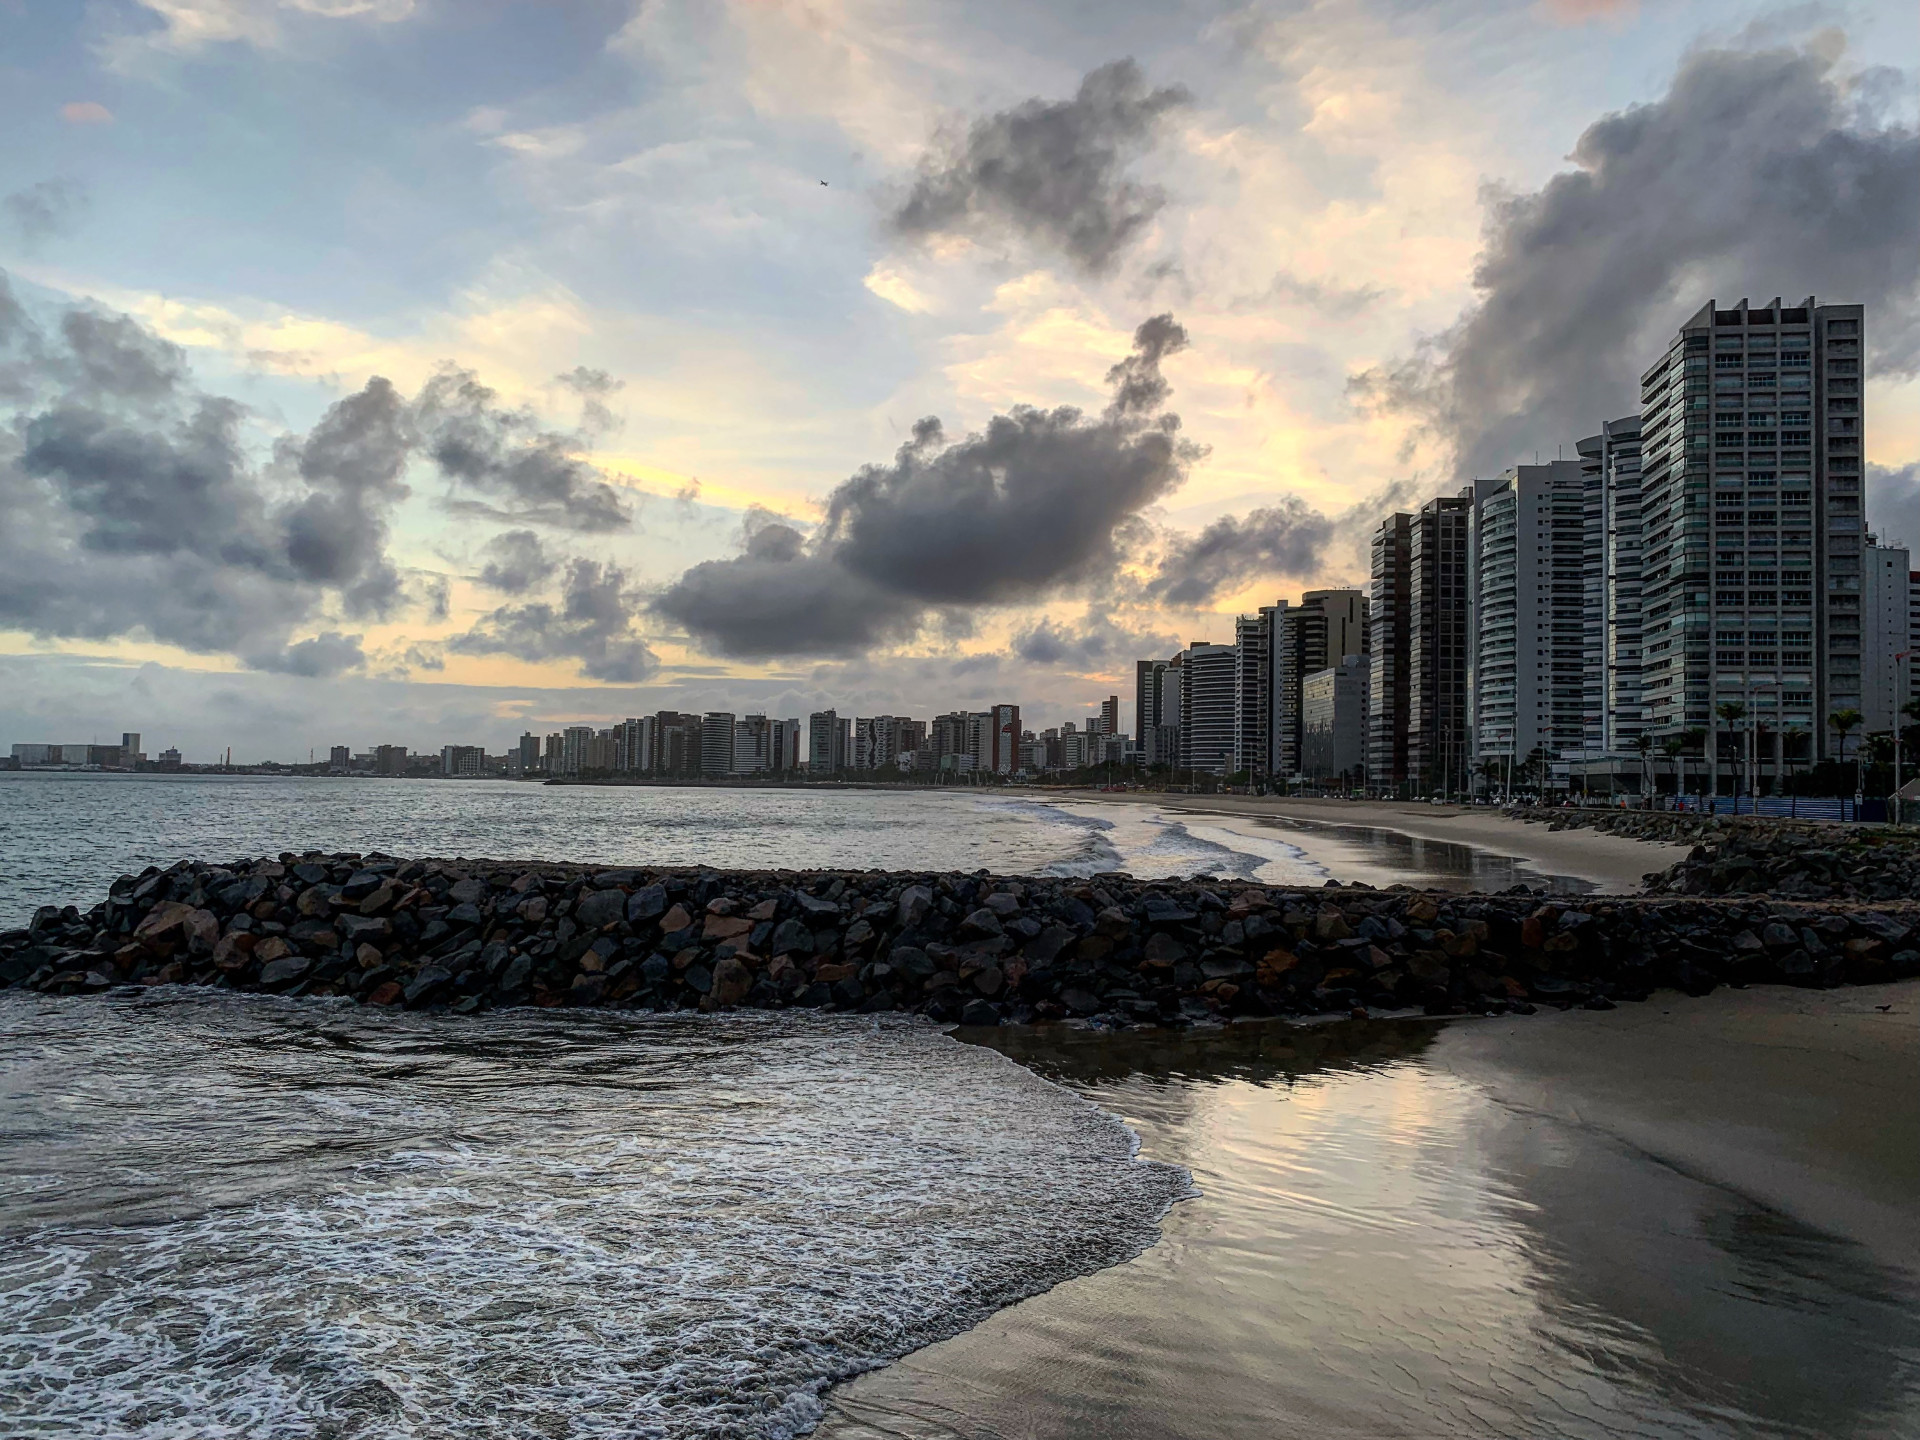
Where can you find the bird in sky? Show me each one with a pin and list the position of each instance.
(823, 182)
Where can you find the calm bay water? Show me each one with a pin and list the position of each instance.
(65, 836)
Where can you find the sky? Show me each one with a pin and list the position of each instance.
(422, 371)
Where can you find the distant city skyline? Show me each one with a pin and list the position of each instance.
(560, 389)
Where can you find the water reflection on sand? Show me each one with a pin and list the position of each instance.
(1379, 1249)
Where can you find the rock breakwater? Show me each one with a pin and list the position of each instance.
(1785, 859)
(975, 949)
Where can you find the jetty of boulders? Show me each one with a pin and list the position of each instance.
(976, 949)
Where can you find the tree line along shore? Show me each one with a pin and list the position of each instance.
(975, 949)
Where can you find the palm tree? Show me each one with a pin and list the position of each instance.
(1731, 711)
(1842, 721)
(1675, 748)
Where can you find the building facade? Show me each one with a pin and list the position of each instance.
(1310, 636)
(1437, 643)
(1528, 593)
(1209, 732)
(1388, 709)
(1753, 533)
(1333, 717)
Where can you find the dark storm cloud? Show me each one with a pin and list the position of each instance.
(352, 461)
(1053, 171)
(1032, 504)
(1758, 173)
(134, 508)
(519, 469)
(1094, 642)
(1290, 538)
(516, 563)
(592, 624)
(776, 599)
(48, 210)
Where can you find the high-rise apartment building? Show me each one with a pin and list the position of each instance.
(1437, 636)
(1610, 484)
(529, 752)
(1752, 431)
(340, 757)
(1209, 731)
(1310, 636)
(829, 742)
(1253, 642)
(1156, 721)
(1003, 728)
(1887, 632)
(1333, 721)
(1388, 710)
(1528, 592)
(716, 743)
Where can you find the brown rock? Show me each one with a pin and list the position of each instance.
(1533, 934)
(230, 954)
(1164, 952)
(381, 900)
(272, 948)
(1114, 923)
(314, 903)
(164, 922)
(675, 919)
(1330, 924)
(593, 962)
(720, 905)
(367, 957)
(1422, 912)
(765, 910)
(731, 981)
(388, 993)
(833, 974)
(725, 927)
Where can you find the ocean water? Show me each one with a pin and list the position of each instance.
(65, 836)
(226, 1216)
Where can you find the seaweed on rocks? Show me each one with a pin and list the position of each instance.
(469, 935)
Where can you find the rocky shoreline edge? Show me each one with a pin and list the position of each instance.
(976, 949)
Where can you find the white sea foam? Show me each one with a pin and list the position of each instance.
(245, 1217)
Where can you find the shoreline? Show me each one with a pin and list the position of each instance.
(1711, 1200)
(1612, 864)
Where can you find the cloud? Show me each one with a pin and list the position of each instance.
(1289, 538)
(188, 26)
(1893, 504)
(593, 624)
(86, 112)
(135, 507)
(516, 563)
(319, 658)
(1095, 642)
(46, 210)
(1033, 504)
(1329, 298)
(1757, 171)
(775, 599)
(524, 471)
(1052, 171)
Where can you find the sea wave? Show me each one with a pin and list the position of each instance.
(231, 1216)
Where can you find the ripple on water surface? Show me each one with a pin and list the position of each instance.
(228, 1216)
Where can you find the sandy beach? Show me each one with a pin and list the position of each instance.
(1685, 1217)
(1807, 1101)
(1324, 829)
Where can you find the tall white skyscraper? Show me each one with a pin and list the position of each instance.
(1752, 432)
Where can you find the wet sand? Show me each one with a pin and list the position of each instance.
(1807, 1101)
(1685, 1218)
(1329, 831)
